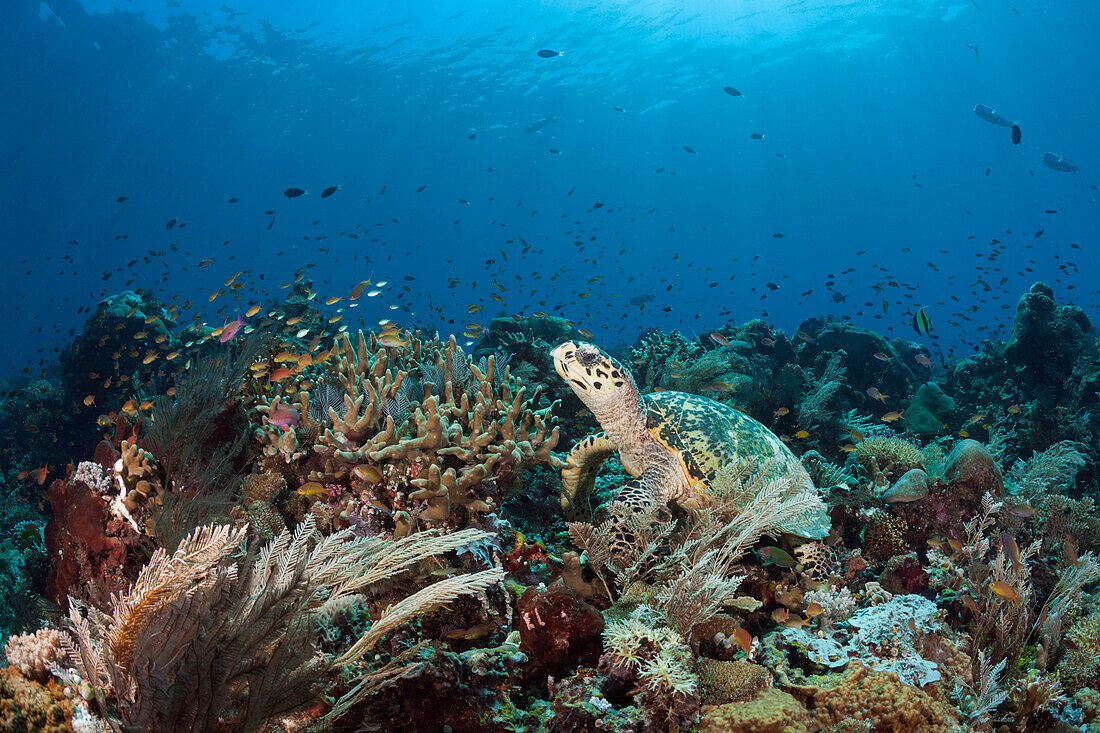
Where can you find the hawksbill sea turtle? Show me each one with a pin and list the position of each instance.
(672, 443)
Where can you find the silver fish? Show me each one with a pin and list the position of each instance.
(991, 115)
(1060, 163)
(539, 124)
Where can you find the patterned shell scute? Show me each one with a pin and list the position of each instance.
(707, 435)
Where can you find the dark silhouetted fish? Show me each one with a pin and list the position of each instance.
(1016, 134)
(328, 191)
(293, 193)
(757, 136)
(548, 54)
(731, 91)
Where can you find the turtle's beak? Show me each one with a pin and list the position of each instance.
(561, 356)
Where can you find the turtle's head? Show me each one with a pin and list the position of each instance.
(601, 382)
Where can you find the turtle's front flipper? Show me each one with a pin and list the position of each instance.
(578, 478)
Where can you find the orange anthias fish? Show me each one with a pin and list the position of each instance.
(874, 394)
(719, 339)
(280, 374)
(1069, 547)
(1012, 550)
(744, 640)
(891, 416)
(231, 329)
(368, 473)
(794, 621)
(313, 488)
(1006, 591)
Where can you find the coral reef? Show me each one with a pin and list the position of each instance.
(345, 531)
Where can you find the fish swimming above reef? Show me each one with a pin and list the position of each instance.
(989, 114)
(1060, 163)
(922, 324)
(231, 329)
(539, 124)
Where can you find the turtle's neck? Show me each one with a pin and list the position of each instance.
(624, 421)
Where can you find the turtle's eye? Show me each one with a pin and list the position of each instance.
(587, 357)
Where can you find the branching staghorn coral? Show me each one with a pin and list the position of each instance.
(212, 638)
(446, 434)
(889, 456)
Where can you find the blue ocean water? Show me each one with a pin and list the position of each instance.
(874, 190)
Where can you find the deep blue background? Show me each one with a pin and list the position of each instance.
(181, 106)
